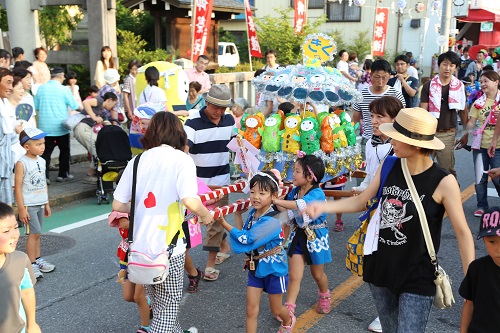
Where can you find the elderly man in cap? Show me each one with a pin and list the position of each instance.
(51, 102)
(209, 130)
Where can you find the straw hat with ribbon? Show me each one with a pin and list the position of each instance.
(414, 126)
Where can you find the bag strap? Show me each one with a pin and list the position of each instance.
(132, 203)
(486, 121)
(384, 173)
(421, 213)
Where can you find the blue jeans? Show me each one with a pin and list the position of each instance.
(482, 186)
(401, 313)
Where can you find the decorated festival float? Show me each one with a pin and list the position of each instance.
(175, 83)
(330, 136)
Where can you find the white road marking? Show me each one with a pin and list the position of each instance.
(80, 224)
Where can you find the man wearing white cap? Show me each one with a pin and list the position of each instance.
(51, 102)
(112, 78)
(209, 130)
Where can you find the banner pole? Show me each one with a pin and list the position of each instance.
(248, 35)
(193, 15)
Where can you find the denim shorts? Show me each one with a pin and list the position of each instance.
(401, 313)
(271, 284)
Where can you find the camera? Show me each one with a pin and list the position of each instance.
(394, 73)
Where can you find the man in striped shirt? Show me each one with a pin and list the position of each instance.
(209, 130)
(381, 71)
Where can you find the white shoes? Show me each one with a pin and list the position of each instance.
(375, 326)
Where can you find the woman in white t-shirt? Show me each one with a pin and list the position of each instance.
(166, 180)
(154, 95)
(343, 66)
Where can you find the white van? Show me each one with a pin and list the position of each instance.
(228, 55)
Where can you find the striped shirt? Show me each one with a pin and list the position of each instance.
(364, 107)
(208, 146)
(51, 102)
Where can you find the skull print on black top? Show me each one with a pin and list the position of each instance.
(402, 263)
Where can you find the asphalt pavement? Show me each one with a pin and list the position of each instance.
(81, 295)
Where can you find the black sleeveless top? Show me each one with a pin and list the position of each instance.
(402, 263)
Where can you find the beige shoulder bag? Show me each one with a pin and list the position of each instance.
(444, 295)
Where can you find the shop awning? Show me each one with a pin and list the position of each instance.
(481, 15)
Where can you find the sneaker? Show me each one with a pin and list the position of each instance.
(36, 270)
(288, 329)
(324, 302)
(194, 282)
(375, 326)
(45, 267)
(479, 212)
(63, 179)
(90, 180)
(191, 330)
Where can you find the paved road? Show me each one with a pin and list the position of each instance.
(82, 295)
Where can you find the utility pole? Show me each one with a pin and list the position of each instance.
(446, 22)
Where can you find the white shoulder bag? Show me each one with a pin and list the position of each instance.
(444, 295)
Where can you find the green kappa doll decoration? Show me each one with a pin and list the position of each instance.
(271, 134)
(309, 135)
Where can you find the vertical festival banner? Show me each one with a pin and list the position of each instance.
(253, 41)
(202, 20)
(380, 31)
(300, 15)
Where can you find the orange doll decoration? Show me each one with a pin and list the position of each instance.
(326, 140)
(252, 135)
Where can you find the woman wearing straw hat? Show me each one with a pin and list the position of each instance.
(399, 272)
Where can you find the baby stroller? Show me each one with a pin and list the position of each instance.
(113, 153)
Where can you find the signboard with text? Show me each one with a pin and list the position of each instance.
(202, 19)
(380, 32)
(253, 41)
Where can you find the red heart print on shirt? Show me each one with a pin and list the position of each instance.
(150, 201)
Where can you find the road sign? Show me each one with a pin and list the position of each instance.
(486, 26)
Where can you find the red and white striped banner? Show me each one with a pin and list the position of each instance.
(253, 41)
(201, 26)
(300, 15)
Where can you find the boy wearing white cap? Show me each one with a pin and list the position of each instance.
(481, 288)
(112, 78)
(32, 196)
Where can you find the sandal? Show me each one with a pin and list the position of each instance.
(211, 274)
(221, 257)
(339, 226)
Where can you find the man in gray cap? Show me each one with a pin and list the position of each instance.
(51, 102)
(209, 130)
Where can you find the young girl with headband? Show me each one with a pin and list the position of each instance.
(261, 238)
(309, 240)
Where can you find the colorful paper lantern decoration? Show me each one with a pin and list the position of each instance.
(419, 7)
(436, 5)
(402, 5)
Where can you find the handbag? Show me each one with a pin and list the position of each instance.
(444, 295)
(143, 268)
(355, 243)
(478, 134)
(73, 120)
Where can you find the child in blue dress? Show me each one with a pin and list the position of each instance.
(309, 240)
(261, 238)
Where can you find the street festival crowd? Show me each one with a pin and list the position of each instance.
(409, 131)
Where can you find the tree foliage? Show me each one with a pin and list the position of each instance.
(132, 46)
(137, 21)
(277, 33)
(56, 24)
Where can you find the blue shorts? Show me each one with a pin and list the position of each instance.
(271, 284)
(298, 247)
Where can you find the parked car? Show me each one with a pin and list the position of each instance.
(228, 55)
